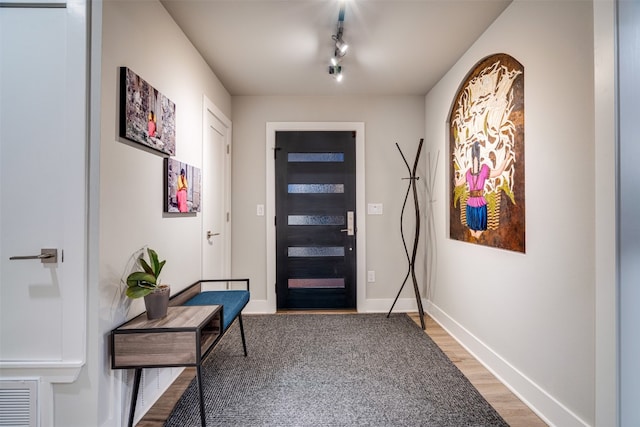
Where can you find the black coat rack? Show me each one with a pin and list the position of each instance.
(411, 260)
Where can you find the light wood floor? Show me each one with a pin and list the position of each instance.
(516, 413)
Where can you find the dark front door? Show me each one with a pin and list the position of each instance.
(315, 219)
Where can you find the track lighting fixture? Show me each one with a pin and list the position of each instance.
(340, 46)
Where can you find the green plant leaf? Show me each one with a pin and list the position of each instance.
(141, 278)
(160, 268)
(153, 258)
(138, 292)
(145, 266)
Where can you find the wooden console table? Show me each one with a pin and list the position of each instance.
(183, 338)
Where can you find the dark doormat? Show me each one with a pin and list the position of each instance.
(333, 370)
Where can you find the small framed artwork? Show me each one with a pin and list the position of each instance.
(182, 187)
(146, 115)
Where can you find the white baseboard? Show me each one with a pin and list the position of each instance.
(403, 305)
(161, 379)
(383, 305)
(259, 306)
(542, 403)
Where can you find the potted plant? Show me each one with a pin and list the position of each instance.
(146, 284)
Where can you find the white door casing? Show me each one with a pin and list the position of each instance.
(216, 193)
(43, 193)
(43, 185)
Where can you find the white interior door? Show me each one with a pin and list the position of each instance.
(42, 186)
(215, 195)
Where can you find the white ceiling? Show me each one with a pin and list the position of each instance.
(283, 47)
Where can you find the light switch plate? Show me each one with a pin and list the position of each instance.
(374, 208)
(260, 210)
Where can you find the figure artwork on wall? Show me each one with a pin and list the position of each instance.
(146, 115)
(486, 145)
(182, 187)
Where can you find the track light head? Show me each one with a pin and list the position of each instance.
(341, 46)
(336, 72)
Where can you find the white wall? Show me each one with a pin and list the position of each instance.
(387, 120)
(530, 316)
(142, 36)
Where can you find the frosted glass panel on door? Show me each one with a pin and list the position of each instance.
(333, 283)
(316, 220)
(315, 188)
(315, 251)
(315, 157)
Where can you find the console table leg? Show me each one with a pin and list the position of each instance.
(200, 394)
(244, 342)
(134, 395)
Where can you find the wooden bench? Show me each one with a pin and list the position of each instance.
(233, 301)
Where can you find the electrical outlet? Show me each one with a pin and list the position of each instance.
(371, 276)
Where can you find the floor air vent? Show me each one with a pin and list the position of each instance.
(18, 403)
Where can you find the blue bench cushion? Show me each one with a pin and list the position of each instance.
(232, 301)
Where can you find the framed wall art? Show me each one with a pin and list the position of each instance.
(182, 187)
(486, 148)
(146, 115)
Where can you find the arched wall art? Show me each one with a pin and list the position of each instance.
(486, 146)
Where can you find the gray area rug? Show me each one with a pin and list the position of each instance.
(332, 370)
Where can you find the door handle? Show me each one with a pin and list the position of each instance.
(210, 234)
(47, 256)
(350, 230)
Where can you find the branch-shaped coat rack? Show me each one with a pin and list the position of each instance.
(411, 259)
(430, 226)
